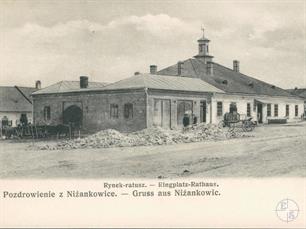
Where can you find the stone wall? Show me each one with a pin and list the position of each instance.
(96, 109)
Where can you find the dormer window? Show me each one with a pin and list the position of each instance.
(251, 84)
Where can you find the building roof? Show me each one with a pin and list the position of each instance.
(225, 79)
(69, 86)
(163, 83)
(301, 92)
(11, 100)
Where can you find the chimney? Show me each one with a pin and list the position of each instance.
(153, 69)
(38, 84)
(83, 81)
(179, 68)
(236, 65)
(210, 68)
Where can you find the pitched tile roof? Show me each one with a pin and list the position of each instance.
(11, 100)
(301, 92)
(164, 83)
(225, 79)
(69, 86)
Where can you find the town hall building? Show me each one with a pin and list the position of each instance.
(197, 85)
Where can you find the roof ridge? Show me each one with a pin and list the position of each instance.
(60, 85)
(110, 84)
(144, 80)
(79, 81)
(239, 73)
(17, 86)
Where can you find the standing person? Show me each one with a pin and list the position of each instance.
(194, 120)
(186, 120)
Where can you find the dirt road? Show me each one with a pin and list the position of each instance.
(278, 150)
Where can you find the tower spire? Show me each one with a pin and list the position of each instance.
(203, 44)
(202, 28)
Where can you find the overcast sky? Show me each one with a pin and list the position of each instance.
(110, 40)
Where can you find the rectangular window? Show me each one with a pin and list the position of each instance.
(248, 109)
(114, 111)
(128, 110)
(296, 110)
(275, 110)
(269, 110)
(47, 113)
(219, 109)
(287, 110)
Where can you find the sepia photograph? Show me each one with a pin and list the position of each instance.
(163, 90)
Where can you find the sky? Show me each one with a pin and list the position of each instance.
(110, 40)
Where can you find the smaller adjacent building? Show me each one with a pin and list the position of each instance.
(16, 102)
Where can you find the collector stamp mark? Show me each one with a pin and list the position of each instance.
(287, 210)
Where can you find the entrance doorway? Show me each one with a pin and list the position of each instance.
(162, 113)
(203, 109)
(73, 115)
(183, 106)
(259, 112)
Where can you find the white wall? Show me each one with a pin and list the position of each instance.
(282, 109)
(242, 100)
(226, 100)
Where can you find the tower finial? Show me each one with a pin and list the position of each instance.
(203, 43)
(202, 28)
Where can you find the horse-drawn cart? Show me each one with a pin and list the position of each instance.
(235, 120)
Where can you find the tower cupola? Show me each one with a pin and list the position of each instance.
(203, 44)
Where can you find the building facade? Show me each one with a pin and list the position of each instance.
(196, 86)
(249, 96)
(135, 103)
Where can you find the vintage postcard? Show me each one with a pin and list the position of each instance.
(145, 113)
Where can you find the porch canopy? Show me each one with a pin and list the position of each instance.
(262, 101)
